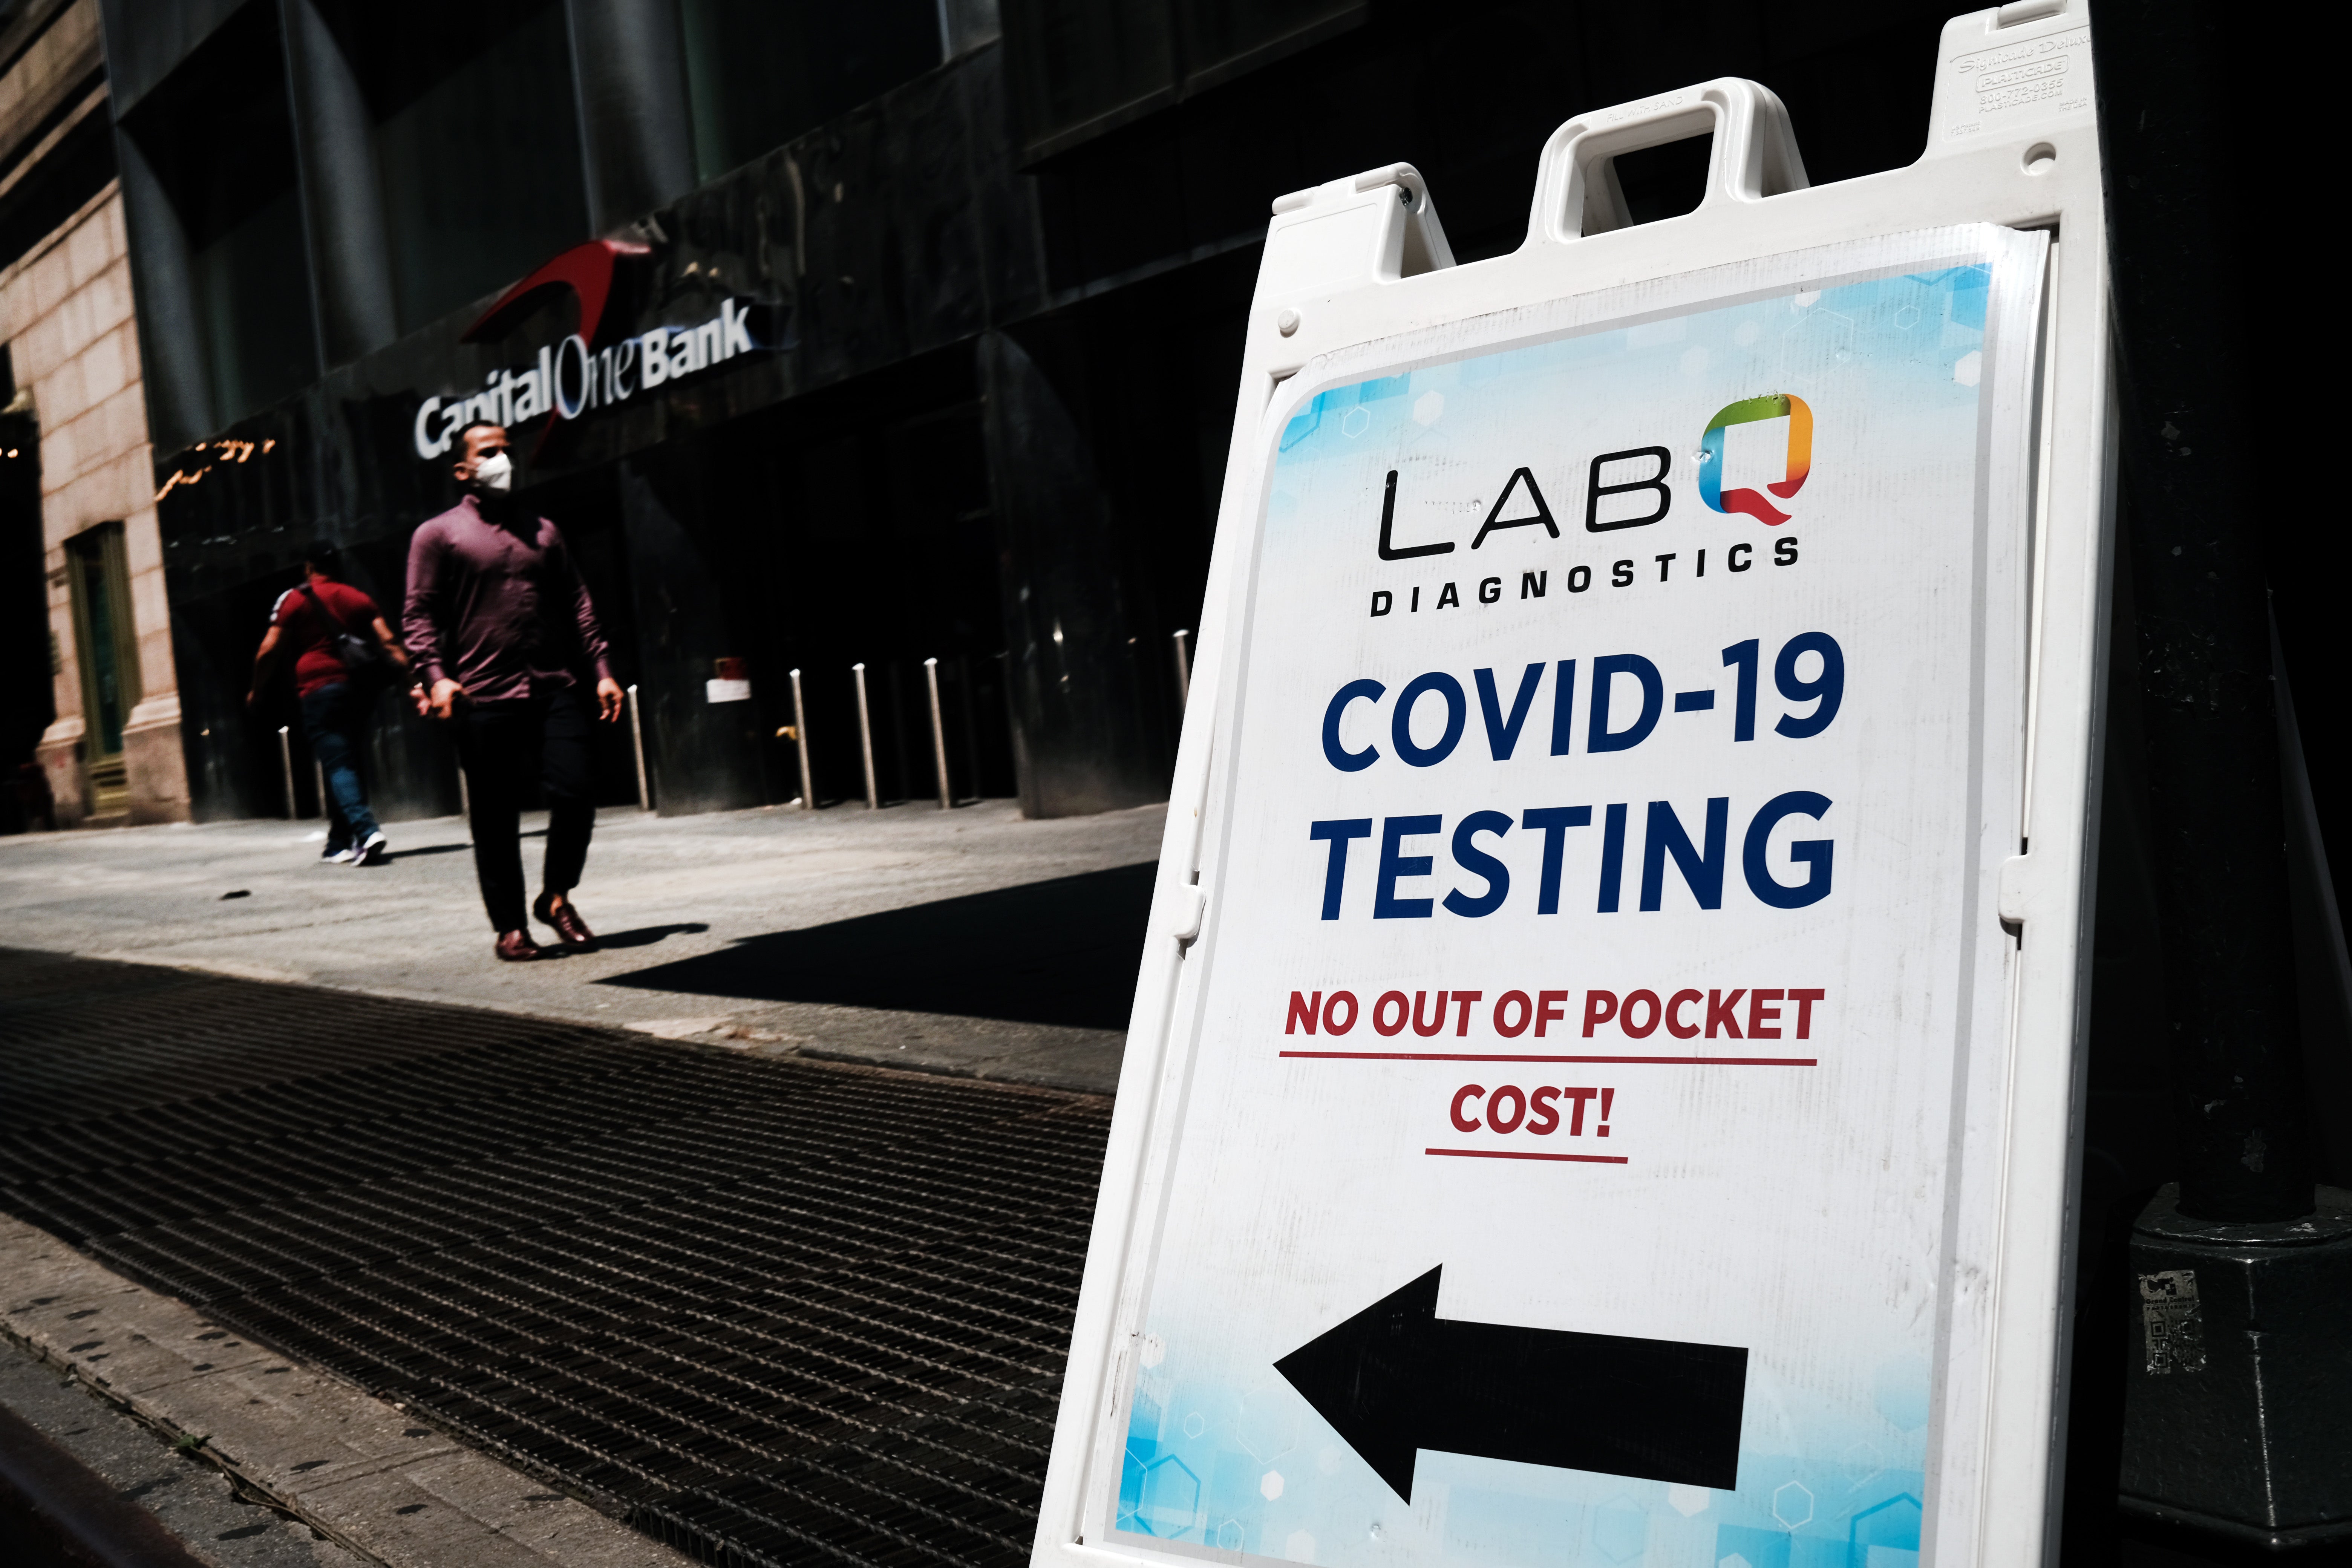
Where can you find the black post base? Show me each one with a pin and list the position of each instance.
(2236, 1399)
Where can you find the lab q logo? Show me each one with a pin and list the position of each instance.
(1799, 463)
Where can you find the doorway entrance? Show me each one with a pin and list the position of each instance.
(107, 647)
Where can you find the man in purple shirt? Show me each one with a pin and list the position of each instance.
(504, 637)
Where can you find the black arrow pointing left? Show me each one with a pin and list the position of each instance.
(1396, 1378)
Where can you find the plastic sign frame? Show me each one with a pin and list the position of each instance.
(1356, 286)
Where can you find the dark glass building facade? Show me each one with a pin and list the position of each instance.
(906, 330)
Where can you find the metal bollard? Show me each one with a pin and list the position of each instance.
(939, 735)
(286, 759)
(465, 801)
(1184, 669)
(866, 740)
(319, 769)
(637, 738)
(800, 738)
(1012, 719)
(901, 753)
(970, 729)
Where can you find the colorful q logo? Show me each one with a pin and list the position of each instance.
(1801, 455)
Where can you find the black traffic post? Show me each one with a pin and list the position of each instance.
(2241, 1332)
(2195, 552)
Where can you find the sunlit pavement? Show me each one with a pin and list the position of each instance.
(969, 942)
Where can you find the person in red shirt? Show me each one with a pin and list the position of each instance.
(335, 703)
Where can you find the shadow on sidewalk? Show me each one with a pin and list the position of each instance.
(1063, 952)
(645, 936)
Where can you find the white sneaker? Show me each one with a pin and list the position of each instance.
(374, 852)
(343, 857)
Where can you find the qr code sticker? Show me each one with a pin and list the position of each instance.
(2175, 1324)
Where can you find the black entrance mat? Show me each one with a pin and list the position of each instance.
(768, 1311)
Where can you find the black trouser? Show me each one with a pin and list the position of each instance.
(501, 744)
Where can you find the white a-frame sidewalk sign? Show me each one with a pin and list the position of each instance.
(1601, 1087)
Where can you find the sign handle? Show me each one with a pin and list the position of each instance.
(1754, 155)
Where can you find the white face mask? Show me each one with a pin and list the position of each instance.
(495, 472)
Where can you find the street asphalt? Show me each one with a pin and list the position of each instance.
(969, 942)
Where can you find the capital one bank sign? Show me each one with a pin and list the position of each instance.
(569, 378)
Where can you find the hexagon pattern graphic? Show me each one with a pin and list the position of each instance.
(1268, 1424)
(1899, 1391)
(1888, 1528)
(1621, 1531)
(1689, 1502)
(1793, 1505)
(1815, 346)
(1171, 1497)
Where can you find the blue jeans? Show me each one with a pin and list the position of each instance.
(335, 717)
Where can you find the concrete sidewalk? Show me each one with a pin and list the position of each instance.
(968, 942)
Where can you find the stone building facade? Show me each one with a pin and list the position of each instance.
(112, 753)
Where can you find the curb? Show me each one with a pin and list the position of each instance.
(356, 1469)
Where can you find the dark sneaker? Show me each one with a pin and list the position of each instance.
(376, 851)
(338, 855)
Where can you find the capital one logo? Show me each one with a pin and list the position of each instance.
(1799, 463)
(580, 372)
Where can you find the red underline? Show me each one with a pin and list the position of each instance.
(1479, 1057)
(1509, 1155)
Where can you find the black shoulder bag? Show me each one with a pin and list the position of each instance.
(363, 657)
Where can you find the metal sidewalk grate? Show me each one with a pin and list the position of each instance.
(768, 1311)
